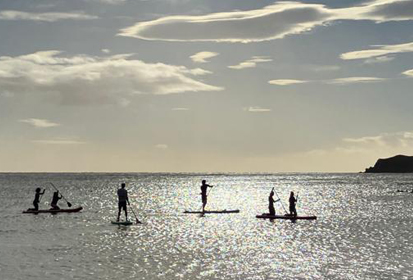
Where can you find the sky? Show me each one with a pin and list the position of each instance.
(204, 86)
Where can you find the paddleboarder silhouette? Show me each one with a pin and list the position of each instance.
(204, 188)
(37, 199)
(292, 200)
(122, 200)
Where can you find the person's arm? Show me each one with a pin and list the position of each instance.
(127, 198)
(43, 192)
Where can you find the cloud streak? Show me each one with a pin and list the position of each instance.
(59, 141)
(45, 17)
(338, 81)
(251, 63)
(256, 109)
(286, 82)
(40, 123)
(82, 80)
(378, 51)
(268, 23)
(202, 57)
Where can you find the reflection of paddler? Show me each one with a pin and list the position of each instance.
(204, 188)
(271, 202)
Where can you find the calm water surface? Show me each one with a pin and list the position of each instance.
(363, 231)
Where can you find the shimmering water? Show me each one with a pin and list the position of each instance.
(363, 231)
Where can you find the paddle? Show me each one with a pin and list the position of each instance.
(280, 201)
(68, 203)
(137, 220)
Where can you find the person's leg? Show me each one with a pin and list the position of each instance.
(36, 206)
(204, 202)
(126, 212)
(119, 210)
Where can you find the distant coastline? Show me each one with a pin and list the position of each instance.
(396, 164)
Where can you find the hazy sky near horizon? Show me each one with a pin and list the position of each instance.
(204, 86)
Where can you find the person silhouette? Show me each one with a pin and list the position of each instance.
(36, 200)
(292, 200)
(55, 199)
(271, 202)
(204, 195)
(122, 200)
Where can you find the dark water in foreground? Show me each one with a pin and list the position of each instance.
(363, 231)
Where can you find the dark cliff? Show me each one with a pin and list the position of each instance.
(396, 164)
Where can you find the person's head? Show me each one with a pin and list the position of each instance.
(56, 193)
(272, 193)
(292, 194)
(123, 185)
(37, 189)
(203, 182)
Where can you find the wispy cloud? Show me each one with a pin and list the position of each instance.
(59, 141)
(268, 23)
(286, 82)
(380, 59)
(161, 146)
(81, 80)
(256, 109)
(40, 123)
(105, 51)
(378, 51)
(202, 57)
(180, 109)
(408, 73)
(338, 81)
(47, 17)
(251, 63)
(353, 80)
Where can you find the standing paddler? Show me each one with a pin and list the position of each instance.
(36, 200)
(204, 188)
(271, 202)
(123, 199)
(292, 200)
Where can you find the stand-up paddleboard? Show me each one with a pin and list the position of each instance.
(29, 211)
(286, 217)
(122, 223)
(212, 212)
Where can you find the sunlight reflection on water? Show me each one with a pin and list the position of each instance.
(362, 231)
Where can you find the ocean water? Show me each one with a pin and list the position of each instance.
(363, 230)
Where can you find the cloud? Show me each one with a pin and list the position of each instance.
(41, 123)
(384, 143)
(60, 141)
(161, 146)
(202, 57)
(81, 80)
(257, 109)
(408, 73)
(352, 80)
(380, 59)
(251, 63)
(268, 23)
(286, 82)
(378, 51)
(47, 17)
(105, 51)
(180, 109)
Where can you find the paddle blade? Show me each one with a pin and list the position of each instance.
(69, 204)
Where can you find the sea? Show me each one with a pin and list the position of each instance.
(364, 227)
